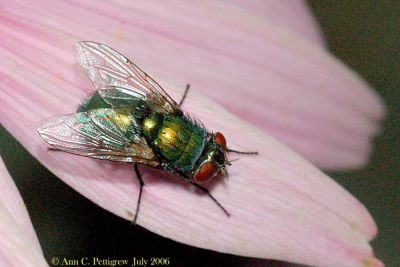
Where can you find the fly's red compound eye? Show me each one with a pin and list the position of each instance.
(220, 139)
(206, 171)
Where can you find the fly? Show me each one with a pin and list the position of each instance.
(130, 118)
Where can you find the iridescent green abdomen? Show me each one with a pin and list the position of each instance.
(93, 102)
(176, 139)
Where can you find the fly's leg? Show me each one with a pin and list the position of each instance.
(242, 152)
(52, 148)
(205, 190)
(141, 183)
(184, 94)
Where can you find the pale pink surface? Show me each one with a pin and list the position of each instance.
(18, 242)
(294, 15)
(282, 207)
(276, 74)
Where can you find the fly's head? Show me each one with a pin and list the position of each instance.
(213, 160)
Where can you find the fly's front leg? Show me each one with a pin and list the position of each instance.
(141, 183)
(242, 152)
(184, 94)
(205, 190)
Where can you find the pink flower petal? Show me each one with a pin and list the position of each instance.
(18, 242)
(294, 15)
(284, 84)
(282, 207)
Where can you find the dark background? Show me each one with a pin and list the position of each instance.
(365, 34)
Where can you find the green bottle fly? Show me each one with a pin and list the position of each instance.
(130, 118)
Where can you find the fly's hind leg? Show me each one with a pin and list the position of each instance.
(206, 191)
(53, 148)
(141, 183)
(184, 94)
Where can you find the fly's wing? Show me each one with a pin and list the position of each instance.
(117, 98)
(106, 67)
(99, 134)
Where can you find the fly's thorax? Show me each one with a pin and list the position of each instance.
(176, 139)
(213, 160)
